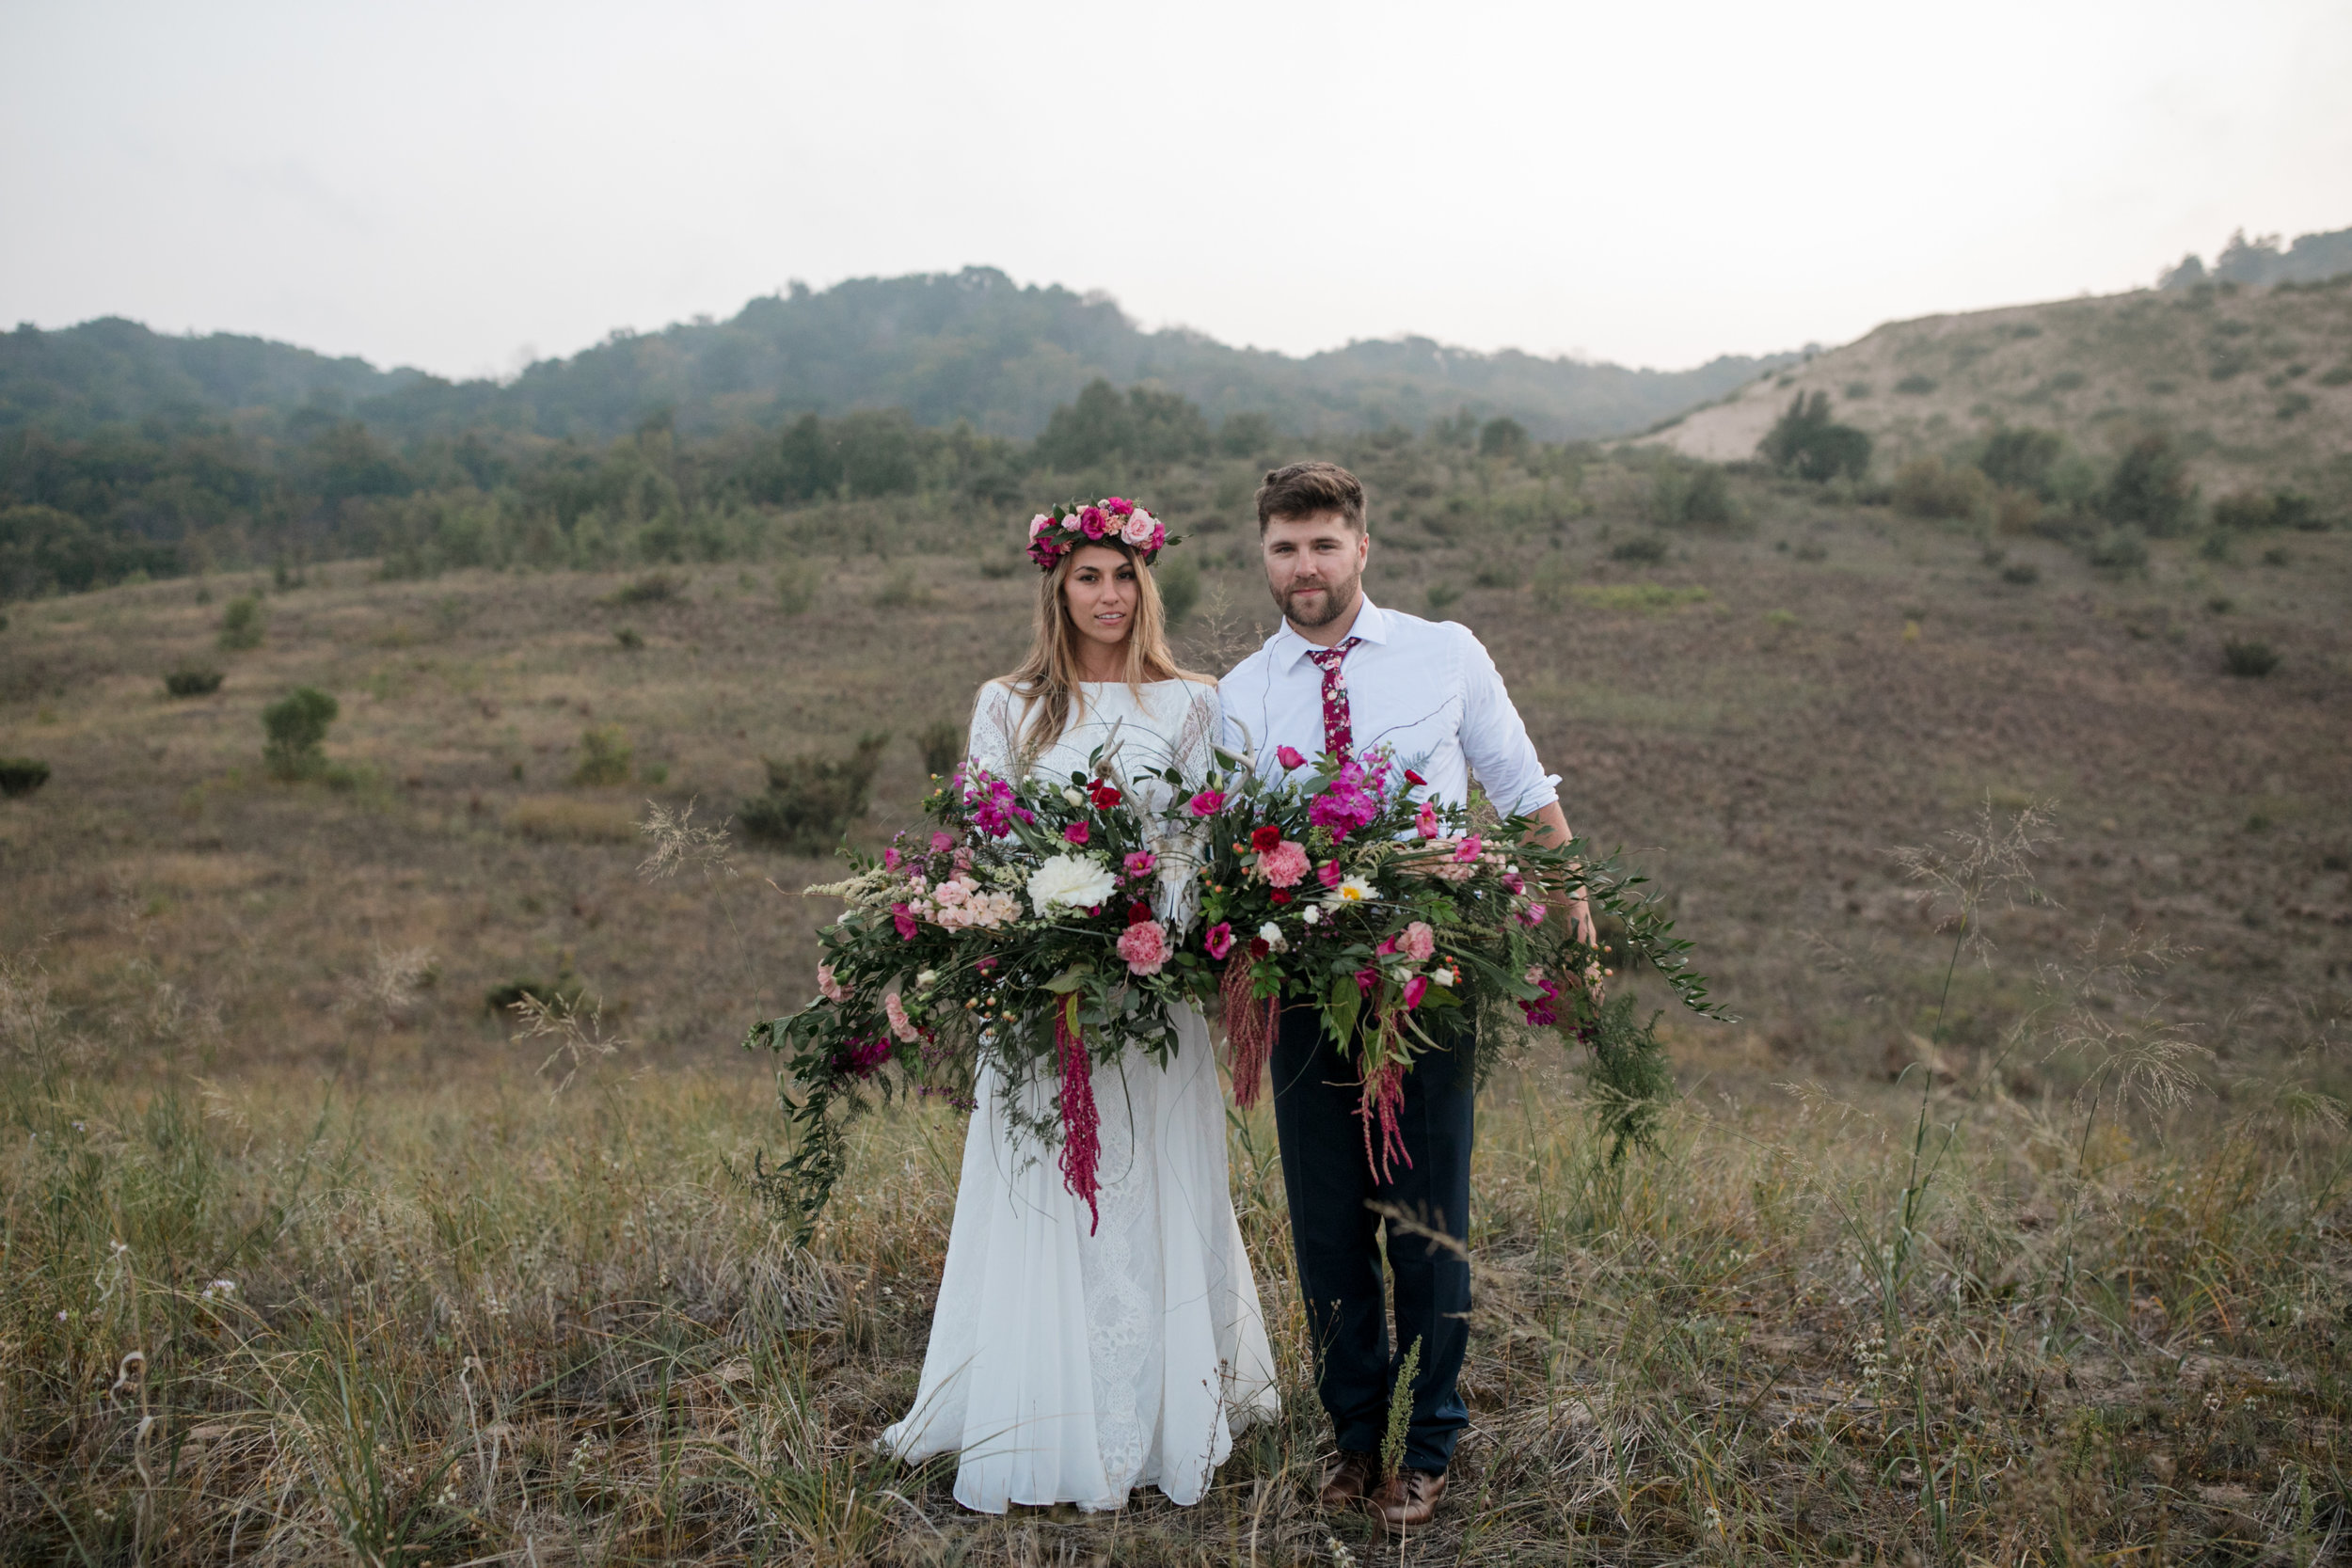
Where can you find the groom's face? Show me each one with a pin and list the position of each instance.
(1314, 566)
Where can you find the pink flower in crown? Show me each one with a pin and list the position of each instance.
(1070, 522)
(1421, 942)
(1285, 864)
(1119, 508)
(1144, 945)
(1207, 803)
(1137, 530)
(1219, 939)
(1159, 537)
(1092, 523)
(1039, 523)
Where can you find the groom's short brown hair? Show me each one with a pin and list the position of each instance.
(1310, 489)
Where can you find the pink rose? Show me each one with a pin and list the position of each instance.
(1208, 803)
(1330, 875)
(1421, 942)
(1070, 522)
(1285, 864)
(1218, 940)
(1426, 823)
(941, 843)
(829, 987)
(1366, 978)
(1144, 945)
(1092, 523)
(1039, 524)
(904, 921)
(1137, 531)
(1117, 508)
(1075, 832)
(1415, 989)
(901, 1024)
(1140, 862)
(1289, 757)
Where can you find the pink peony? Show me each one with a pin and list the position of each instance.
(1218, 940)
(1140, 862)
(829, 987)
(1285, 864)
(901, 1024)
(1289, 756)
(1075, 832)
(1421, 942)
(1207, 803)
(1415, 989)
(1426, 823)
(1144, 945)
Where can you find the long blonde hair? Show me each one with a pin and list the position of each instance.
(1048, 681)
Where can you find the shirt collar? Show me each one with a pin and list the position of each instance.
(1289, 649)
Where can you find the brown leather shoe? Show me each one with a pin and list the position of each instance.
(1351, 1480)
(1409, 1497)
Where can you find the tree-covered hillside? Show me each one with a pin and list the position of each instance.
(970, 346)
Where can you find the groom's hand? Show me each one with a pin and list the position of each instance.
(1555, 833)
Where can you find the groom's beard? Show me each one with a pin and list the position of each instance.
(1338, 597)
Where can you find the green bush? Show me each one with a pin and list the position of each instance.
(2021, 572)
(564, 990)
(2023, 458)
(2248, 660)
(1440, 597)
(1915, 386)
(2293, 404)
(1646, 550)
(1930, 487)
(241, 624)
(796, 586)
(1502, 436)
(192, 680)
(2246, 509)
(2336, 377)
(901, 590)
(2119, 550)
(22, 776)
(296, 727)
(653, 588)
(2150, 487)
(1180, 588)
(629, 638)
(1806, 442)
(1248, 434)
(942, 745)
(811, 800)
(605, 755)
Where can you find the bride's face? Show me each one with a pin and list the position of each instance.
(1100, 593)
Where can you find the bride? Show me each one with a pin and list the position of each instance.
(1073, 1359)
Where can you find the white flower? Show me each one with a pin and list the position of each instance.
(1353, 890)
(1077, 881)
(1272, 936)
(925, 980)
(1311, 915)
(1443, 978)
(1071, 794)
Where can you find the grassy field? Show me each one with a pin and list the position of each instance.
(2074, 1288)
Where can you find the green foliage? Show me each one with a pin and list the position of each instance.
(564, 993)
(21, 775)
(1916, 385)
(1806, 442)
(1440, 597)
(1503, 436)
(2119, 550)
(796, 585)
(942, 745)
(901, 590)
(629, 638)
(1688, 495)
(811, 800)
(2151, 487)
(192, 680)
(1930, 487)
(1400, 1412)
(241, 624)
(1646, 550)
(1630, 1083)
(1146, 428)
(605, 755)
(296, 725)
(1180, 587)
(2249, 660)
(46, 550)
(2023, 458)
(653, 588)
(1248, 434)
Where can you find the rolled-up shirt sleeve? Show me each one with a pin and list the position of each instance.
(1494, 738)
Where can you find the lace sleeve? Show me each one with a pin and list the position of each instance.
(995, 722)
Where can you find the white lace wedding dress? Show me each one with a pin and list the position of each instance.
(1069, 1367)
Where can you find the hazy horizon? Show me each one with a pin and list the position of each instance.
(461, 189)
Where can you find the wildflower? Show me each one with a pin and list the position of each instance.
(1421, 942)
(1468, 849)
(1289, 756)
(1285, 864)
(1530, 916)
(1140, 862)
(890, 859)
(1413, 778)
(862, 1056)
(1144, 945)
(1311, 914)
(1118, 506)
(1219, 939)
(1076, 832)
(829, 987)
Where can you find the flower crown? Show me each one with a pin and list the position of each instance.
(1055, 533)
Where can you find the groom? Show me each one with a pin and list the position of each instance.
(1344, 675)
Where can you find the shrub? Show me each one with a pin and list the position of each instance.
(1247, 434)
(1550, 583)
(2276, 557)
(2293, 404)
(2022, 458)
(901, 590)
(2119, 550)
(21, 775)
(241, 624)
(296, 726)
(2246, 509)
(564, 990)
(2336, 377)
(2293, 509)
(1442, 596)
(605, 755)
(192, 680)
(942, 745)
(2021, 572)
(1180, 588)
(1930, 487)
(1645, 549)
(653, 588)
(554, 818)
(2248, 660)
(629, 638)
(796, 586)
(1502, 436)
(1915, 386)
(2151, 487)
(1806, 442)
(2215, 546)
(811, 800)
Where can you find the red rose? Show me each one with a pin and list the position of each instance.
(1281, 896)
(1266, 838)
(1411, 777)
(1137, 912)
(1105, 795)
(1260, 947)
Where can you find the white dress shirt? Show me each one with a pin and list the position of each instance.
(1426, 690)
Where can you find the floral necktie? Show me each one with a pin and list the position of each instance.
(1339, 733)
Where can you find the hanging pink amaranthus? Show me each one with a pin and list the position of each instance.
(1249, 1024)
(1384, 1102)
(1081, 1124)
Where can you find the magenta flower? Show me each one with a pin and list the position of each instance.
(904, 921)
(1415, 989)
(1218, 940)
(1426, 823)
(1207, 803)
(942, 843)
(1421, 942)
(1331, 874)
(1541, 1012)
(1144, 945)
(1366, 978)
(1469, 851)
(1289, 756)
(1285, 864)
(1532, 916)
(1092, 523)
(862, 1055)
(1075, 832)
(890, 859)
(1140, 862)
(1119, 508)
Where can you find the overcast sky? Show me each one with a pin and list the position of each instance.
(461, 186)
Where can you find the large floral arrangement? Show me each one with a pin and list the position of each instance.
(1341, 883)
(1032, 929)
(1054, 534)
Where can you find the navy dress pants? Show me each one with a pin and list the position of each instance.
(1337, 1233)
